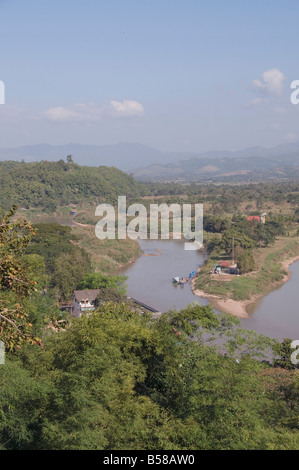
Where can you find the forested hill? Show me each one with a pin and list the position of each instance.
(52, 184)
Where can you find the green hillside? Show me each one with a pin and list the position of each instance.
(49, 185)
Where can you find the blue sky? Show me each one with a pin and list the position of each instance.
(177, 75)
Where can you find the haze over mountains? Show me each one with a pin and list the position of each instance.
(125, 156)
(149, 164)
(248, 165)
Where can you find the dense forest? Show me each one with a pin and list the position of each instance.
(118, 380)
(49, 186)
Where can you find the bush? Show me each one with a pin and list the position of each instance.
(246, 262)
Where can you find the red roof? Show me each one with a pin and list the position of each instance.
(254, 217)
(224, 263)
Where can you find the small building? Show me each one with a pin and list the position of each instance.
(255, 218)
(84, 301)
(225, 268)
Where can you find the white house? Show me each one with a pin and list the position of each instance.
(84, 301)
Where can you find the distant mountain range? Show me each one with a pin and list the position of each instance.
(124, 156)
(251, 164)
(149, 164)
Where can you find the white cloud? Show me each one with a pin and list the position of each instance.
(61, 114)
(127, 108)
(92, 112)
(271, 83)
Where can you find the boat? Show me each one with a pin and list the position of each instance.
(179, 280)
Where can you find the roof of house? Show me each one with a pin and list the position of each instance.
(224, 263)
(88, 295)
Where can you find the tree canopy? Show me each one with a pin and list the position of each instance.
(119, 380)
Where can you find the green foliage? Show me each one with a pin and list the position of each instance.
(14, 237)
(22, 400)
(120, 380)
(51, 241)
(109, 294)
(233, 238)
(41, 309)
(193, 317)
(101, 281)
(283, 351)
(246, 262)
(212, 242)
(35, 266)
(56, 184)
(265, 234)
(215, 224)
(15, 282)
(66, 263)
(69, 270)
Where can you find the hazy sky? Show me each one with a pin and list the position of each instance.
(173, 74)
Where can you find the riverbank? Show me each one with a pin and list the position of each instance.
(233, 307)
(252, 287)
